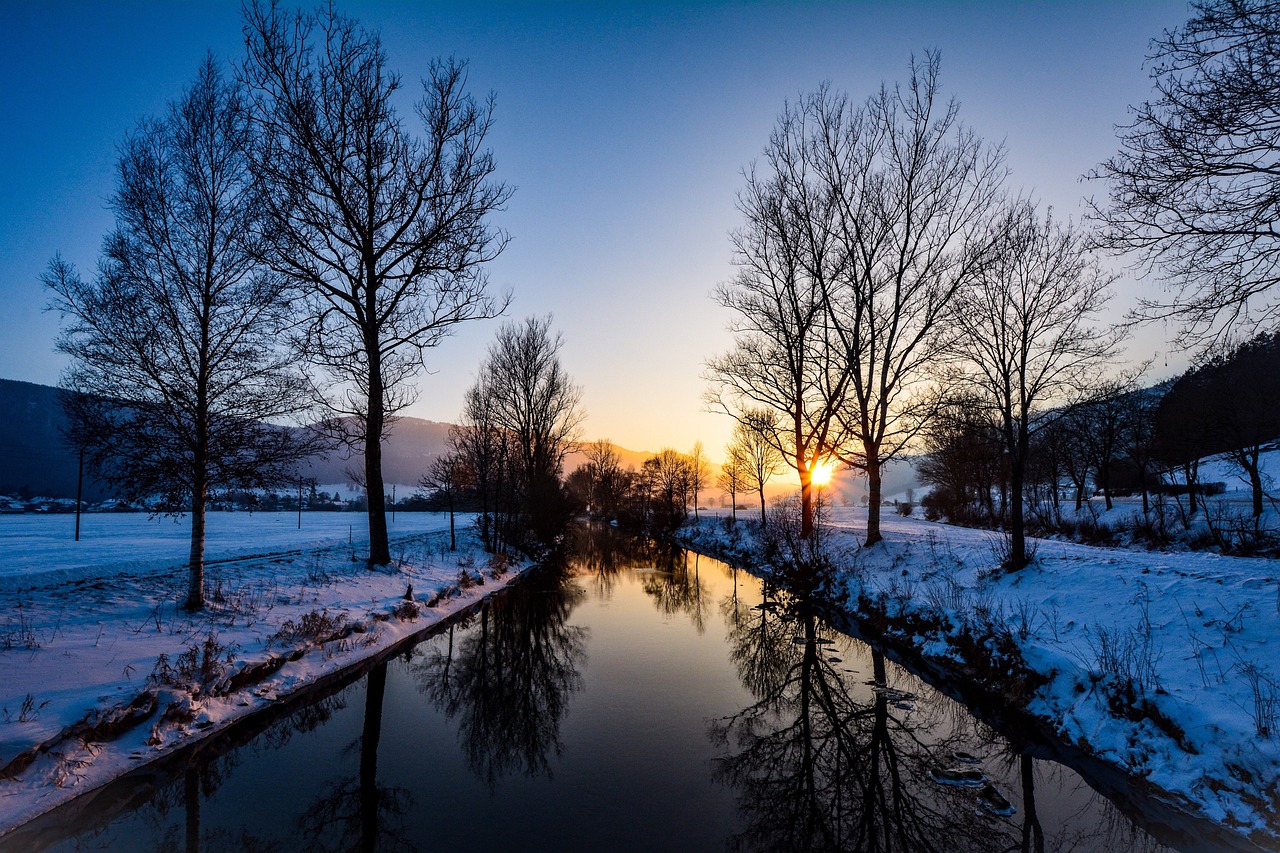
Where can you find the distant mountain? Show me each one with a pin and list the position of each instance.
(413, 443)
(34, 459)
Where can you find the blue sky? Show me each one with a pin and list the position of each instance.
(624, 128)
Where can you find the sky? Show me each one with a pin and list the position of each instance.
(624, 129)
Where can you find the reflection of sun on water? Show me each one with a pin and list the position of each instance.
(821, 473)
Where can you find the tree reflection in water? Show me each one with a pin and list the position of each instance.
(819, 769)
(508, 682)
(358, 813)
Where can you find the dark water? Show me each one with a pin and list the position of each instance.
(636, 699)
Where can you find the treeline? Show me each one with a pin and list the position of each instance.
(1125, 441)
(486, 472)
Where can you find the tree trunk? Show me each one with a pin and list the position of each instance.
(763, 519)
(1104, 474)
(1017, 521)
(195, 582)
(375, 690)
(1255, 484)
(874, 483)
(453, 539)
(1032, 833)
(806, 505)
(1190, 475)
(375, 420)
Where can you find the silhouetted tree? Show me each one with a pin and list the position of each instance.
(449, 476)
(177, 378)
(755, 445)
(1024, 341)
(1194, 187)
(384, 232)
(536, 407)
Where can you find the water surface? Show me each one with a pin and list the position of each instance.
(636, 698)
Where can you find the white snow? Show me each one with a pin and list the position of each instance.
(82, 625)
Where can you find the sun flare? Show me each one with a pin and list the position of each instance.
(822, 472)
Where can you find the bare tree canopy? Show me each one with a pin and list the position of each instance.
(178, 374)
(860, 230)
(1194, 189)
(1025, 342)
(526, 396)
(386, 232)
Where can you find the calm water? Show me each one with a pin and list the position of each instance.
(638, 699)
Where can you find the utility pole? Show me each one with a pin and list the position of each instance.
(299, 501)
(79, 492)
(393, 502)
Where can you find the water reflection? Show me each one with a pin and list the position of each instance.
(509, 680)
(360, 813)
(816, 741)
(818, 768)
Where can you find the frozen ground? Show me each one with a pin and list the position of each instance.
(83, 627)
(1188, 644)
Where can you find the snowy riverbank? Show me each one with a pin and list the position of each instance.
(1165, 665)
(101, 671)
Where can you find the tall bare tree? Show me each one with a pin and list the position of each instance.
(859, 233)
(1025, 341)
(1195, 189)
(180, 383)
(384, 231)
(785, 359)
(538, 407)
(913, 190)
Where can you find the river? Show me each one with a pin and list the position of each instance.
(636, 697)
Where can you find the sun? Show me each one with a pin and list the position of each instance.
(822, 472)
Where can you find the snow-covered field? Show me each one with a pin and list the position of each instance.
(44, 545)
(1197, 635)
(84, 626)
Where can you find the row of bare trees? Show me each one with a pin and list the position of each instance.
(288, 246)
(882, 266)
(658, 497)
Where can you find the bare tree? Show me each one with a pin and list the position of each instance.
(535, 404)
(914, 189)
(859, 234)
(784, 358)
(1024, 340)
(606, 478)
(667, 475)
(482, 444)
(732, 479)
(385, 232)
(1195, 187)
(448, 476)
(755, 444)
(179, 381)
(699, 473)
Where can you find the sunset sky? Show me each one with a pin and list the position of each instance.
(623, 127)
